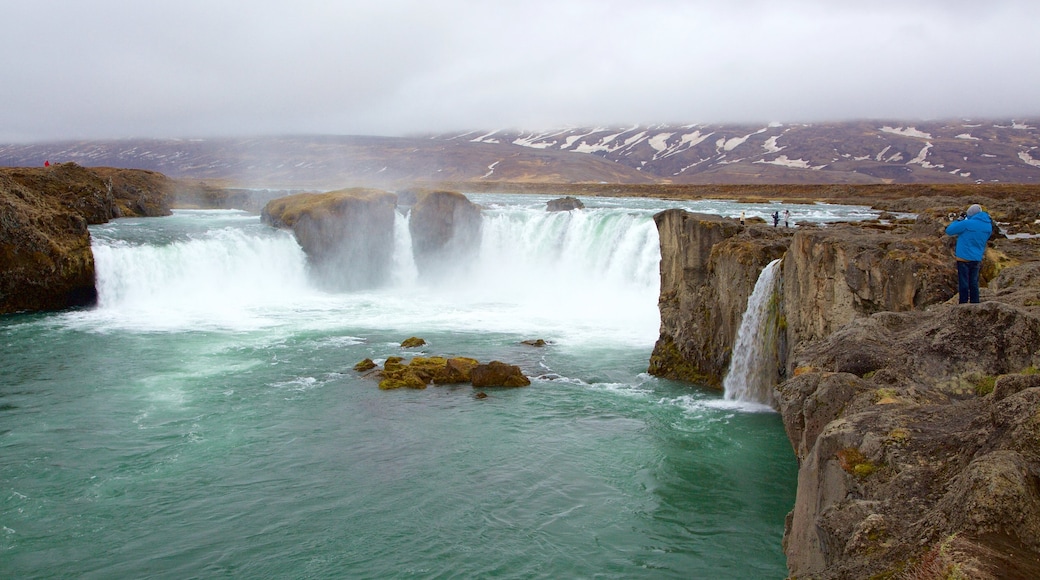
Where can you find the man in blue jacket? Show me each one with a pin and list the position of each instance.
(972, 233)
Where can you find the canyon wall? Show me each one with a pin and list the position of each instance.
(914, 419)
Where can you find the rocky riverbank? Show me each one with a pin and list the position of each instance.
(916, 421)
(45, 257)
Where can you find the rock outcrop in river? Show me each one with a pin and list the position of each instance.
(445, 230)
(348, 235)
(45, 258)
(916, 421)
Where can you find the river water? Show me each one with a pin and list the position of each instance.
(205, 421)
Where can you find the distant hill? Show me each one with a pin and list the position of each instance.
(858, 152)
(849, 152)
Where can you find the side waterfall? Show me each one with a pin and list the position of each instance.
(752, 368)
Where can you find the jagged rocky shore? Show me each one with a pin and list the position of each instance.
(916, 421)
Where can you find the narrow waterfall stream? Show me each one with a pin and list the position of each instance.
(752, 371)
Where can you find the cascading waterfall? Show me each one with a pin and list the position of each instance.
(550, 273)
(752, 371)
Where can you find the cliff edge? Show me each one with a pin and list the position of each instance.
(916, 421)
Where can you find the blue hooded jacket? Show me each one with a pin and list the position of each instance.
(972, 234)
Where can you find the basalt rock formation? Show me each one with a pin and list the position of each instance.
(45, 258)
(348, 235)
(914, 419)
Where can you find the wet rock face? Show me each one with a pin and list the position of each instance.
(445, 227)
(348, 235)
(709, 266)
(46, 261)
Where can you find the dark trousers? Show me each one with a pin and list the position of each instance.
(968, 281)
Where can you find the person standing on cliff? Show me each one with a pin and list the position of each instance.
(741, 218)
(776, 218)
(972, 233)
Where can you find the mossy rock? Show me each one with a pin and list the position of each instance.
(412, 342)
(365, 365)
(393, 363)
(402, 379)
(667, 362)
(457, 370)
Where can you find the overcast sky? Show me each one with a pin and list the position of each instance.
(200, 68)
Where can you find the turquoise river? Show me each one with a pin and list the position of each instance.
(205, 420)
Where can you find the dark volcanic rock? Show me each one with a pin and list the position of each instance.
(564, 204)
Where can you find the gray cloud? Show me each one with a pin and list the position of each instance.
(120, 68)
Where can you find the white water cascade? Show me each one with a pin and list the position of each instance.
(588, 276)
(752, 369)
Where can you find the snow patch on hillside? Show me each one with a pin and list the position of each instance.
(906, 132)
(1027, 158)
(659, 142)
(770, 145)
(491, 169)
(783, 161)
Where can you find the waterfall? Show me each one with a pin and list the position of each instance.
(592, 275)
(752, 370)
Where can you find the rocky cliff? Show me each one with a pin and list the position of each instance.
(45, 257)
(709, 266)
(915, 421)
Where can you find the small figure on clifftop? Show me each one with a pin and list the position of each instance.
(46, 163)
(776, 218)
(787, 218)
(741, 218)
(972, 233)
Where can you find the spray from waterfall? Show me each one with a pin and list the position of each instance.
(752, 371)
